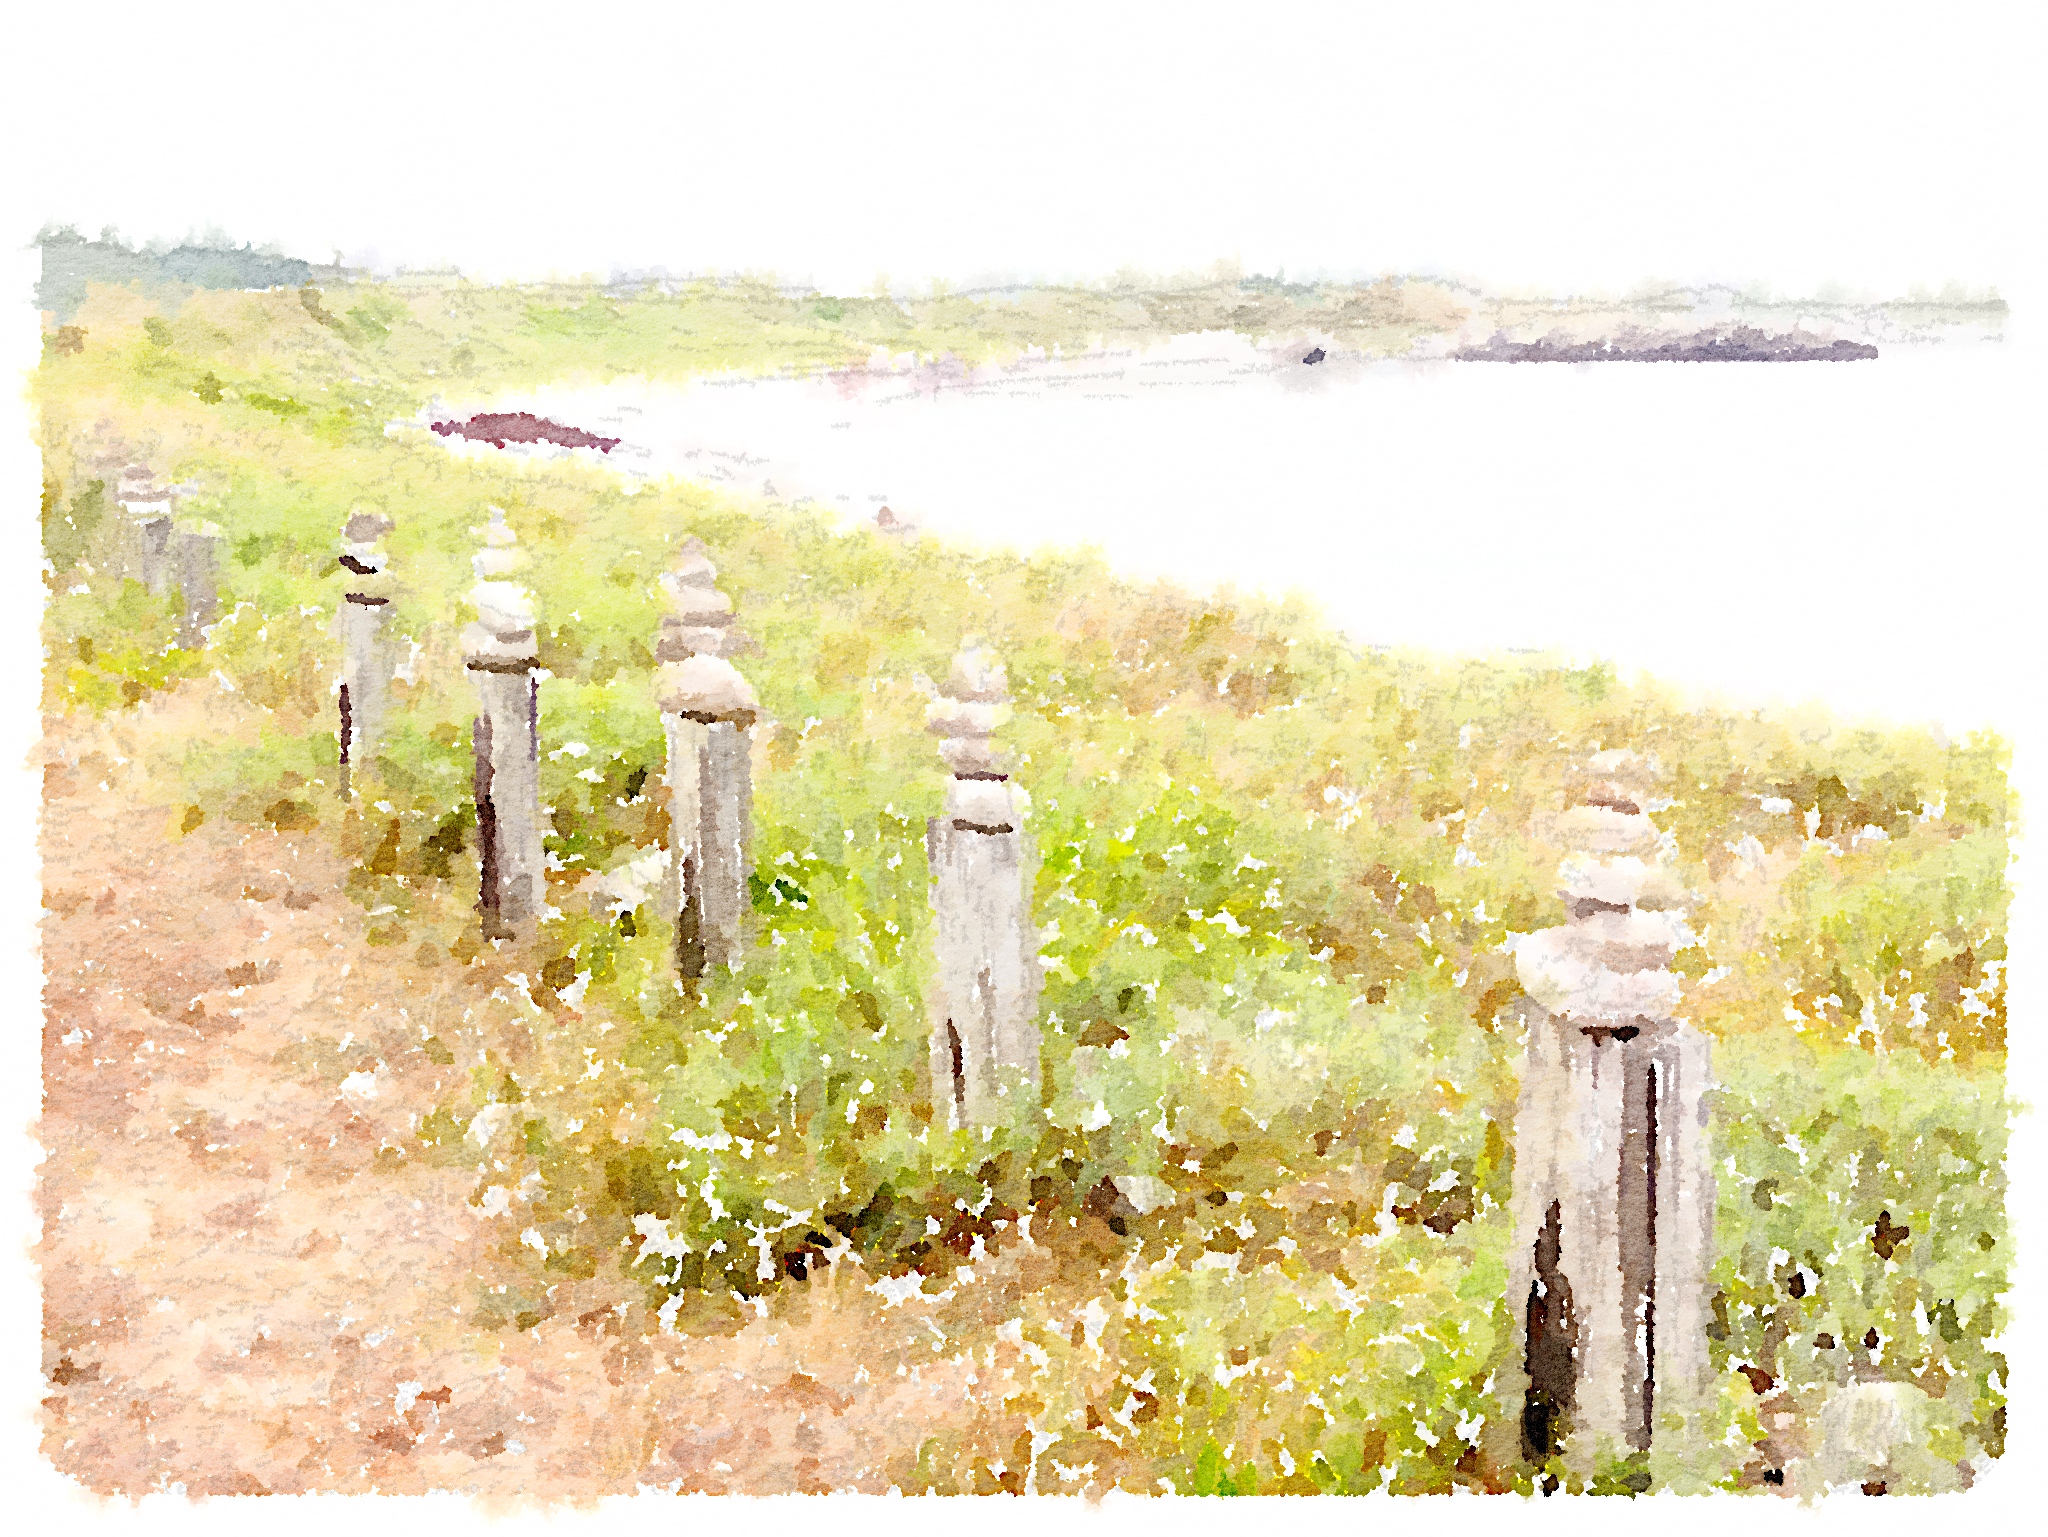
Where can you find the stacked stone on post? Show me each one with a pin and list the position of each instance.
(708, 714)
(360, 626)
(146, 507)
(502, 655)
(1613, 1193)
(984, 1013)
(166, 554)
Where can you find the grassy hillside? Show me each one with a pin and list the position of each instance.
(1275, 877)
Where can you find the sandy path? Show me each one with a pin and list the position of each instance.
(247, 1288)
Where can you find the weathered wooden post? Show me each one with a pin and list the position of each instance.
(167, 554)
(708, 713)
(366, 662)
(1613, 1192)
(984, 1013)
(146, 506)
(503, 656)
(194, 560)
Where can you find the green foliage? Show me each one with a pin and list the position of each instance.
(1861, 1229)
(1270, 1160)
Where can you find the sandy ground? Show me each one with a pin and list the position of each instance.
(242, 1296)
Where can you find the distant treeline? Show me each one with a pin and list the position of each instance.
(70, 262)
(1389, 316)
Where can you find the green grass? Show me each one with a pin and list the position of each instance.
(1276, 875)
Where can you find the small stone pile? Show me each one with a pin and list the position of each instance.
(1608, 966)
(708, 711)
(168, 553)
(147, 505)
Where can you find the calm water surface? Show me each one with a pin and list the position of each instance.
(1843, 531)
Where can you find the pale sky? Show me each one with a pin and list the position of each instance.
(1559, 146)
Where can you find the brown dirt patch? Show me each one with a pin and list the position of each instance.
(250, 1286)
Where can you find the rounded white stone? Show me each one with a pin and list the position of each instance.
(965, 717)
(972, 755)
(1624, 882)
(1863, 1423)
(1629, 941)
(1618, 763)
(1603, 830)
(492, 564)
(978, 674)
(693, 566)
(1565, 982)
(703, 605)
(365, 527)
(705, 685)
(678, 640)
(481, 643)
(984, 802)
(502, 606)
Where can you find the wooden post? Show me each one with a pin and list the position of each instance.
(194, 560)
(984, 1010)
(1613, 1194)
(708, 713)
(146, 506)
(503, 658)
(359, 624)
